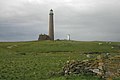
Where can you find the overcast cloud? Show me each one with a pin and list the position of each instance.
(82, 19)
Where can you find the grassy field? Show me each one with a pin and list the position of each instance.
(38, 60)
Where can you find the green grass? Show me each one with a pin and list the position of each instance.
(37, 60)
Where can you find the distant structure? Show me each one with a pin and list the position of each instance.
(51, 29)
(68, 36)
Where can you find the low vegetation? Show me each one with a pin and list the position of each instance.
(39, 60)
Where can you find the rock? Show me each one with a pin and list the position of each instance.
(79, 67)
(88, 56)
(9, 47)
(112, 47)
(102, 67)
(97, 71)
(100, 43)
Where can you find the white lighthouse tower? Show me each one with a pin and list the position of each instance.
(68, 36)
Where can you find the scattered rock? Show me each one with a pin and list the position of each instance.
(112, 47)
(80, 67)
(11, 46)
(100, 43)
(117, 46)
(88, 56)
(102, 67)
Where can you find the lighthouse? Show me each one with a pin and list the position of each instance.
(51, 25)
(50, 36)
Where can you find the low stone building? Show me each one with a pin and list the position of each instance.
(43, 37)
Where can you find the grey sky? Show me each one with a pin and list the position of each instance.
(82, 19)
